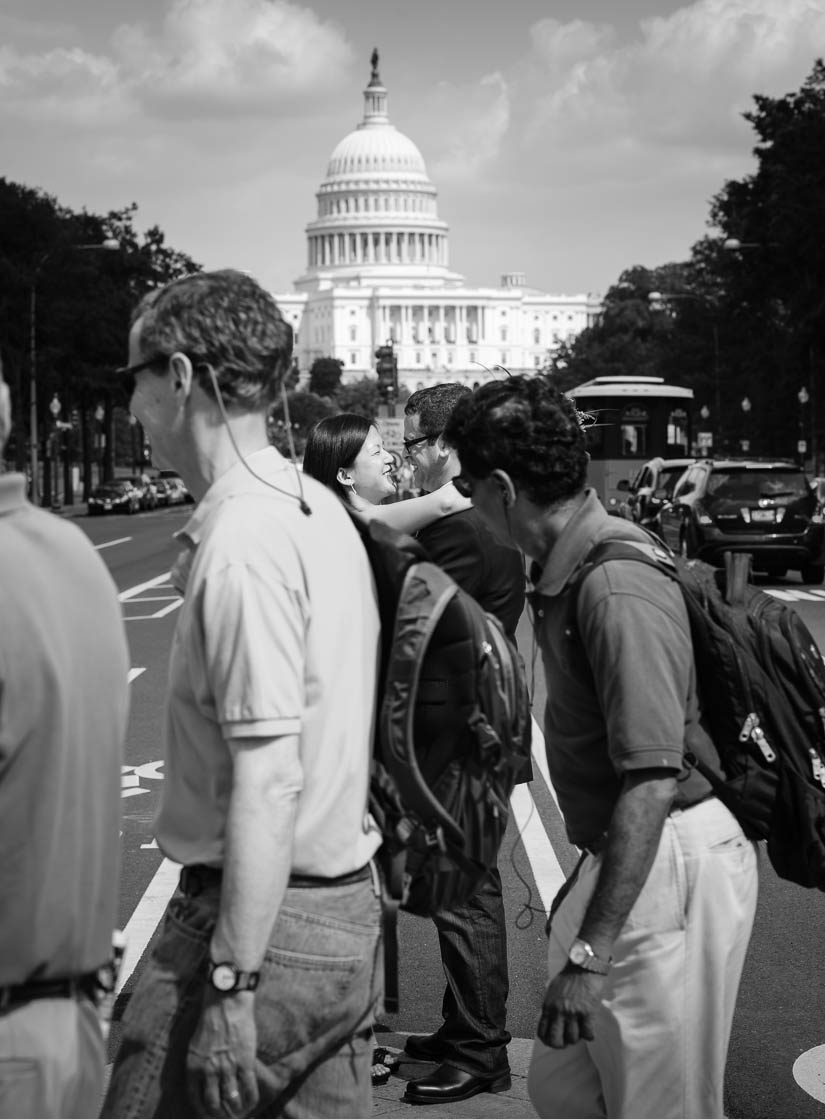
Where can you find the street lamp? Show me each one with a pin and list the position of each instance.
(657, 301)
(802, 444)
(109, 245)
(746, 407)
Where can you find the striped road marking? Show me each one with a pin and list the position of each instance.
(111, 543)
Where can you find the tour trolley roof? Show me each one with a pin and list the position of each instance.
(628, 386)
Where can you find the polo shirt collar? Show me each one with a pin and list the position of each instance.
(266, 462)
(577, 538)
(12, 493)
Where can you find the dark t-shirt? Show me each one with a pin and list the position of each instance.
(480, 562)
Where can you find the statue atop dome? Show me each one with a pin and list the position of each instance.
(374, 76)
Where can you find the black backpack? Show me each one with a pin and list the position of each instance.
(761, 682)
(452, 735)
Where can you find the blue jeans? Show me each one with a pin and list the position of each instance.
(320, 986)
(473, 942)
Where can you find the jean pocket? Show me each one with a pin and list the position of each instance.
(661, 904)
(316, 987)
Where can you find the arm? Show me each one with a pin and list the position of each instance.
(267, 780)
(416, 513)
(632, 842)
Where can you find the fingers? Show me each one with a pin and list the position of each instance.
(229, 1094)
(558, 1029)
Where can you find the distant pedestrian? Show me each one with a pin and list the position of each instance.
(470, 1043)
(63, 708)
(262, 987)
(648, 937)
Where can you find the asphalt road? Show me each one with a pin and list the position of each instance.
(780, 1011)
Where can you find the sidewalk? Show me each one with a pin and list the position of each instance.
(503, 1105)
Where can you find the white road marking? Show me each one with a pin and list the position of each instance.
(134, 673)
(540, 758)
(132, 592)
(545, 866)
(145, 918)
(809, 1072)
(111, 543)
(796, 596)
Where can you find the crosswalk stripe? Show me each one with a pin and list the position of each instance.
(124, 596)
(145, 917)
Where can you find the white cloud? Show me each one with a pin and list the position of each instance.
(474, 121)
(209, 58)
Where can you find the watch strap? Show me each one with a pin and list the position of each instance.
(244, 980)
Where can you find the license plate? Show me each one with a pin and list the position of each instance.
(762, 515)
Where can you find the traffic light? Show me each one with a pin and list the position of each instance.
(387, 369)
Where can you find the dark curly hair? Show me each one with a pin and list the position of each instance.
(224, 319)
(434, 406)
(529, 429)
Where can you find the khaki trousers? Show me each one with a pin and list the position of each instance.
(51, 1060)
(664, 1023)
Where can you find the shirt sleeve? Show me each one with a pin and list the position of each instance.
(635, 629)
(254, 646)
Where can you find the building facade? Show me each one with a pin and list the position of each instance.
(378, 271)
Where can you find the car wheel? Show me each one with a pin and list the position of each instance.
(813, 573)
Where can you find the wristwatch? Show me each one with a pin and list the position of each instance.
(227, 978)
(582, 955)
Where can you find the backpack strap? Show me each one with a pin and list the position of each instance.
(649, 552)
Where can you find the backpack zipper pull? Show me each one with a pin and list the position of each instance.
(752, 730)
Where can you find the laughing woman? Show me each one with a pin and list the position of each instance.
(346, 453)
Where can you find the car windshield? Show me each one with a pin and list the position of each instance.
(669, 476)
(756, 485)
(109, 488)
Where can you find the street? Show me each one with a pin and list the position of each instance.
(779, 1016)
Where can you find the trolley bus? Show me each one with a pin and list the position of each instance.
(631, 420)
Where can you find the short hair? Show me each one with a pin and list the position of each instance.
(335, 442)
(434, 406)
(224, 319)
(526, 427)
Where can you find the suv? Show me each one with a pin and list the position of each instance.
(643, 504)
(742, 505)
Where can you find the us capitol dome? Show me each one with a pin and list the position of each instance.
(377, 271)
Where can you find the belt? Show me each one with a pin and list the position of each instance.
(596, 846)
(197, 878)
(21, 993)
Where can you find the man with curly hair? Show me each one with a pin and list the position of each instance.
(262, 987)
(647, 939)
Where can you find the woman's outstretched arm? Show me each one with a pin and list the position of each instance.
(416, 512)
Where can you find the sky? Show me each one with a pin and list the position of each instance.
(568, 140)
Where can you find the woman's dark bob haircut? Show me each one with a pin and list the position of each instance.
(334, 443)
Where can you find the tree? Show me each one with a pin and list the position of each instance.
(304, 410)
(360, 397)
(325, 376)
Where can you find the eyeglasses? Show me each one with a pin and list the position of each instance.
(410, 443)
(128, 372)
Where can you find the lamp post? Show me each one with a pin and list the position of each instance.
(802, 444)
(745, 442)
(109, 245)
(657, 301)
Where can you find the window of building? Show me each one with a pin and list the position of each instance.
(418, 357)
(353, 334)
(434, 357)
(537, 361)
(449, 357)
(472, 355)
(504, 357)
(503, 334)
(353, 359)
(536, 336)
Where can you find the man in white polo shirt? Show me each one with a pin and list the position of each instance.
(264, 982)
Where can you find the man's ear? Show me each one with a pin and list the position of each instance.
(505, 486)
(182, 372)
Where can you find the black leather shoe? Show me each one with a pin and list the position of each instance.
(449, 1085)
(425, 1047)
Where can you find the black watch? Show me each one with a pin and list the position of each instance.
(227, 978)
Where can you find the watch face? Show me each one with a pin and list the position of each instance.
(223, 977)
(577, 954)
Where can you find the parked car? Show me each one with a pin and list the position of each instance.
(178, 491)
(146, 488)
(642, 503)
(744, 505)
(119, 496)
(163, 491)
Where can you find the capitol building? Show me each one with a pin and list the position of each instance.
(378, 271)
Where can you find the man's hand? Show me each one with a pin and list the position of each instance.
(567, 1011)
(221, 1061)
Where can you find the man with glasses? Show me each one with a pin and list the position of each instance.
(470, 1045)
(262, 988)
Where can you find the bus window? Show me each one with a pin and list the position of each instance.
(677, 433)
(594, 439)
(634, 440)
